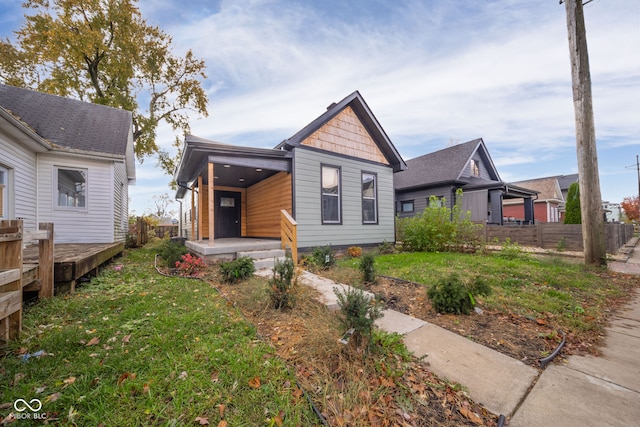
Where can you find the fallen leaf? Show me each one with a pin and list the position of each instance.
(183, 375)
(17, 377)
(126, 338)
(222, 423)
(69, 381)
(221, 410)
(125, 376)
(254, 382)
(471, 416)
(53, 397)
(93, 341)
(541, 322)
(146, 389)
(202, 421)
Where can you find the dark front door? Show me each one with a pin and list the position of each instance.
(227, 214)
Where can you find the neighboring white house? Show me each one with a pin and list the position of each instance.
(66, 162)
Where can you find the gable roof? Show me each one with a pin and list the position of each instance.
(446, 166)
(366, 117)
(68, 123)
(548, 188)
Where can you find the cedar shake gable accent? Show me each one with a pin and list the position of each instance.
(69, 123)
(356, 123)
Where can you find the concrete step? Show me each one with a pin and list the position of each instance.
(262, 254)
(267, 263)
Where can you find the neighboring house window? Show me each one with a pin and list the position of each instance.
(406, 206)
(331, 195)
(435, 201)
(71, 187)
(4, 197)
(475, 167)
(369, 198)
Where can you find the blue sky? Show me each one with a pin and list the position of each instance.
(433, 72)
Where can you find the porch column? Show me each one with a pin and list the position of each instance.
(495, 200)
(193, 213)
(528, 211)
(200, 209)
(211, 204)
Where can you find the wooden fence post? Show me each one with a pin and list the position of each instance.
(45, 261)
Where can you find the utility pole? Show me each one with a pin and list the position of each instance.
(589, 182)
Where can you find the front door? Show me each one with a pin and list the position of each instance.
(227, 214)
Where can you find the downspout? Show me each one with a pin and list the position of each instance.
(180, 218)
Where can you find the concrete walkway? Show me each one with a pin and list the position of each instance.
(584, 391)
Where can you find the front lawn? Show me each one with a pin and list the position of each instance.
(133, 348)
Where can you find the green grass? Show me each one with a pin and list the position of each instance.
(534, 287)
(169, 350)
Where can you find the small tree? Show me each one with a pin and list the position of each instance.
(631, 208)
(572, 213)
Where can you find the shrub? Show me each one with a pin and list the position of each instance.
(323, 258)
(386, 248)
(511, 250)
(171, 252)
(354, 251)
(357, 313)
(283, 284)
(439, 228)
(237, 270)
(573, 214)
(191, 265)
(368, 268)
(452, 295)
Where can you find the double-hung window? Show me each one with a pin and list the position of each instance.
(369, 198)
(71, 186)
(331, 195)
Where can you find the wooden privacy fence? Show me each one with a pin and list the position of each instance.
(549, 235)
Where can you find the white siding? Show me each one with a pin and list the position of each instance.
(92, 225)
(21, 163)
(311, 231)
(121, 202)
(185, 220)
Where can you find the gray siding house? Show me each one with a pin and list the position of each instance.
(334, 177)
(65, 162)
(467, 167)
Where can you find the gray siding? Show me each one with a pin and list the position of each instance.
(484, 170)
(420, 199)
(121, 202)
(21, 164)
(307, 200)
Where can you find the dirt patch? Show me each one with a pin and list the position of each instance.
(523, 339)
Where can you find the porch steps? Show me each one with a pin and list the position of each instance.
(263, 259)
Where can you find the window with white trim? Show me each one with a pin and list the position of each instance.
(71, 188)
(369, 198)
(331, 195)
(475, 167)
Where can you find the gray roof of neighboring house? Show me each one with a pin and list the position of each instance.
(566, 180)
(442, 166)
(364, 113)
(547, 188)
(69, 123)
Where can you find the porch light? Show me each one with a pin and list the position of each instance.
(216, 177)
(227, 166)
(241, 179)
(258, 170)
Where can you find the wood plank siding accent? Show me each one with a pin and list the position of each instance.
(210, 189)
(345, 134)
(264, 202)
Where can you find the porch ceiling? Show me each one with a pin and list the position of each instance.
(237, 176)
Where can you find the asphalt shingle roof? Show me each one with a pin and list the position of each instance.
(438, 167)
(67, 122)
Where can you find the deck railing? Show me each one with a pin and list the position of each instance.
(289, 234)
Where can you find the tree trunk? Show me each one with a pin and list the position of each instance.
(589, 181)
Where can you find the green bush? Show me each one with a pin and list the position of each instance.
(573, 214)
(323, 257)
(368, 268)
(439, 228)
(386, 248)
(452, 295)
(283, 284)
(237, 270)
(359, 313)
(171, 252)
(512, 250)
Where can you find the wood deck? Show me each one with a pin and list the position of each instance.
(71, 262)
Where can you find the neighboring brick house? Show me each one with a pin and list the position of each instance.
(549, 205)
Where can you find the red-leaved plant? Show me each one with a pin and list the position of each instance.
(191, 265)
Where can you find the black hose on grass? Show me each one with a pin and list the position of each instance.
(545, 361)
(306, 395)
